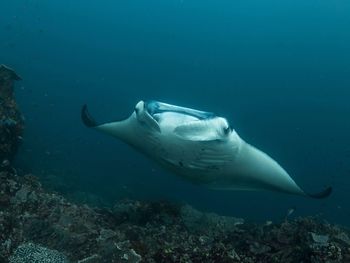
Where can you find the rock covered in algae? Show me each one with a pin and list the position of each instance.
(140, 231)
(11, 120)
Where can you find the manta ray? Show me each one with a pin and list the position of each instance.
(200, 147)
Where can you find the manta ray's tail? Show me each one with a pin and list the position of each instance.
(323, 194)
(86, 117)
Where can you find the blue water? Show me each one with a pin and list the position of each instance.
(279, 71)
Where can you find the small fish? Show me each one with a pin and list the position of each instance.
(5, 163)
(290, 211)
(268, 223)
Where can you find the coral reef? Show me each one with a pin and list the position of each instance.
(30, 252)
(35, 222)
(11, 120)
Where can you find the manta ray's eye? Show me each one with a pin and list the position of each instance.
(227, 130)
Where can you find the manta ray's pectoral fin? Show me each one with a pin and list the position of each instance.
(323, 194)
(87, 119)
(118, 129)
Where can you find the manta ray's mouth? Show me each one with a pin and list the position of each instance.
(177, 116)
(155, 108)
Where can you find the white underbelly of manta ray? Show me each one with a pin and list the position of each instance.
(199, 146)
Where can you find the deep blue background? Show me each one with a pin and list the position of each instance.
(279, 71)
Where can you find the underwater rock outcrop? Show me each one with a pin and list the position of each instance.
(11, 120)
(35, 222)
